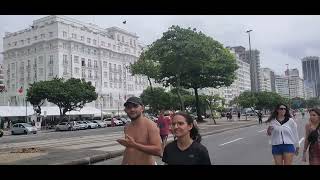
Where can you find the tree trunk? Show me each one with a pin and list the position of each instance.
(152, 100)
(178, 92)
(197, 104)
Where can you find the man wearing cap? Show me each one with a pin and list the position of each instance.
(142, 139)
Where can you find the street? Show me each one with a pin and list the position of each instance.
(58, 135)
(244, 146)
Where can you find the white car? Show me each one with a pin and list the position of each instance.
(82, 125)
(91, 125)
(116, 122)
(125, 120)
(101, 124)
(23, 128)
(64, 126)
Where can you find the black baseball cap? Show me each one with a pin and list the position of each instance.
(133, 100)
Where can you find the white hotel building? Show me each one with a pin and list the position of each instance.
(59, 46)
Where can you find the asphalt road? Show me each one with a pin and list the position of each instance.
(244, 146)
(58, 135)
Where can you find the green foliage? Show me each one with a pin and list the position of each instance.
(313, 102)
(68, 95)
(191, 59)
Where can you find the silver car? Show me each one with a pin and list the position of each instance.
(64, 126)
(101, 124)
(23, 128)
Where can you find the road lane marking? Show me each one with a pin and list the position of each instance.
(230, 141)
(262, 130)
(301, 140)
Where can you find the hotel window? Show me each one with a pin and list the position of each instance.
(76, 59)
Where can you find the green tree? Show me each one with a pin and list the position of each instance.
(297, 103)
(156, 99)
(213, 102)
(313, 102)
(37, 94)
(147, 67)
(191, 59)
(68, 95)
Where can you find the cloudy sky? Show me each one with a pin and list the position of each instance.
(280, 39)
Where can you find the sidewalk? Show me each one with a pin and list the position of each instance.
(90, 156)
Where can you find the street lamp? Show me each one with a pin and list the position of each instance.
(248, 31)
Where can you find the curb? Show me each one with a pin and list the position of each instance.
(113, 154)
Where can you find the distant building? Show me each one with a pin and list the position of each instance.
(293, 81)
(311, 73)
(267, 80)
(254, 62)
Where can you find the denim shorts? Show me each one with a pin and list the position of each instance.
(283, 148)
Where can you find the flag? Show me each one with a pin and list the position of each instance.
(20, 90)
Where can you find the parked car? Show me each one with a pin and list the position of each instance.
(91, 125)
(1, 133)
(108, 122)
(23, 128)
(63, 126)
(101, 124)
(116, 122)
(125, 120)
(82, 125)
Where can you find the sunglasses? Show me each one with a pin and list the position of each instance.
(282, 108)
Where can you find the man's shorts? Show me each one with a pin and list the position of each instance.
(164, 137)
(282, 148)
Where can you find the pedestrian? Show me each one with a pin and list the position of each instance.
(142, 140)
(239, 115)
(186, 149)
(260, 117)
(164, 126)
(230, 116)
(284, 135)
(312, 138)
(113, 122)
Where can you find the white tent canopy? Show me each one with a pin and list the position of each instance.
(15, 111)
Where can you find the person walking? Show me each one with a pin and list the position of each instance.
(260, 117)
(142, 140)
(312, 139)
(284, 135)
(187, 148)
(239, 115)
(164, 126)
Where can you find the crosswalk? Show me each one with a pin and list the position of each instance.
(81, 142)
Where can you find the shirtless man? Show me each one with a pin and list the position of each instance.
(142, 138)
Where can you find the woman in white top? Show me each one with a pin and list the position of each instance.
(284, 135)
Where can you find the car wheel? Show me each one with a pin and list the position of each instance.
(12, 132)
(57, 129)
(99, 126)
(35, 132)
(25, 132)
(69, 129)
(89, 127)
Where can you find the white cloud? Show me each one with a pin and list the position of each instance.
(280, 39)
